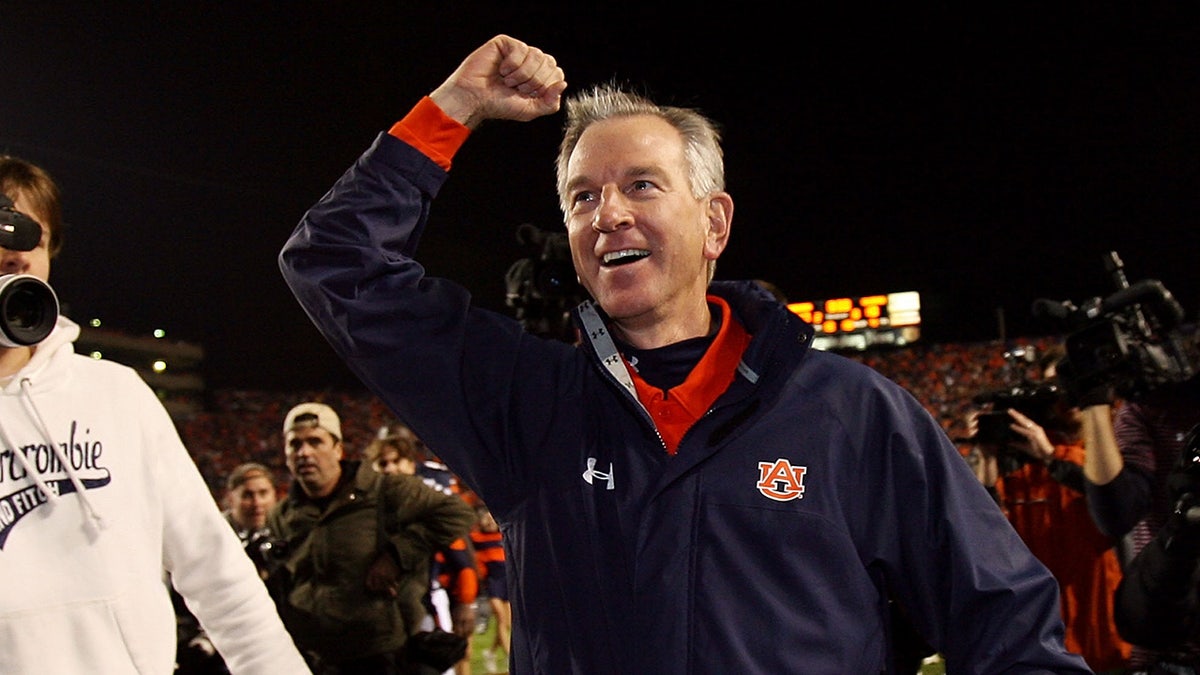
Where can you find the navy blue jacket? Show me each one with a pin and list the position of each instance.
(811, 491)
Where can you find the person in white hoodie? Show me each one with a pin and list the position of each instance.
(101, 506)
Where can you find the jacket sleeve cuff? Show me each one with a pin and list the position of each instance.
(431, 131)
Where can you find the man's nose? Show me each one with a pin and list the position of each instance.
(612, 213)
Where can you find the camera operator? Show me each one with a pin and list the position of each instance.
(1141, 441)
(250, 493)
(1157, 603)
(1033, 467)
(1130, 369)
(103, 502)
(1127, 480)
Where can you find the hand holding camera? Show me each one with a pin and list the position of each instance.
(1033, 440)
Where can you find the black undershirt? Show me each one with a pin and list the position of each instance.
(667, 367)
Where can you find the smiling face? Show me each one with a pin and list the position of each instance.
(640, 240)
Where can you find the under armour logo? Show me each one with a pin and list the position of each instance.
(593, 473)
(781, 481)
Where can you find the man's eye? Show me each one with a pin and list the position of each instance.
(583, 197)
(641, 185)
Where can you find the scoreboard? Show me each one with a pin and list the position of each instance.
(893, 319)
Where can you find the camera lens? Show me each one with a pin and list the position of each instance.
(28, 310)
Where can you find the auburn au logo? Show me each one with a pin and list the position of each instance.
(781, 481)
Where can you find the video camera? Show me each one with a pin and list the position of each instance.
(1036, 403)
(266, 551)
(1035, 400)
(542, 289)
(28, 306)
(28, 310)
(18, 232)
(1129, 341)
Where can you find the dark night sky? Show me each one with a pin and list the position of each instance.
(985, 158)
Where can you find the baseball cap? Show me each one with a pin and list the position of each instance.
(313, 414)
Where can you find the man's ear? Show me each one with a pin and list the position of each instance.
(720, 221)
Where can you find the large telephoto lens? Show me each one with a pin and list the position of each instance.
(28, 310)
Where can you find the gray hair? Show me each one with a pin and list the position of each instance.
(701, 137)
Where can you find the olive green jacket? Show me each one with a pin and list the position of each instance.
(321, 587)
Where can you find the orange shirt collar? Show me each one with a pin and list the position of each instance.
(676, 411)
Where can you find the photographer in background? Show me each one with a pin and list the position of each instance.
(250, 493)
(1130, 368)
(1157, 603)
(1033, 466)
(1127, 480)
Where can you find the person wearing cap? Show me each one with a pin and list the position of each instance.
(358, 545)
(101, 504)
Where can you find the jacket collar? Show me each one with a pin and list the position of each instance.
(776, 332)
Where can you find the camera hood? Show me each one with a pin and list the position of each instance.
(28, 310)
(18, 232)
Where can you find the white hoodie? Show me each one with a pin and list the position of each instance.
(83, 572)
